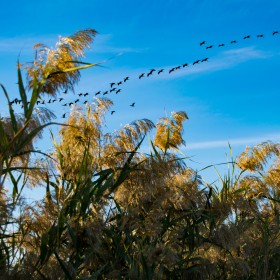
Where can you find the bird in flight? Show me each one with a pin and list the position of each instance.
(65, 104)
(77, 100)
(15, 101)
(221, 45)
(113, 89)
(151, 72)
(85, 102)
(196, 62)
(64, 115)
(275, 32)
(171, 70)
(111, 84)
(119, 90)
(60, 99)
(205, 59)
(105, 92)
(160, 71)
(260, 36)
(246, 37)
(132, 105)
(86, 94)
(97, 93)
(185, 65)
(126, 79)
(233, 42)
(119, 83)
(142, 75)
(178, 67)
(202, 43)
(209, 47)
(112, 112)
(80, 94)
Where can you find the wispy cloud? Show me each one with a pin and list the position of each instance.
(233, 142)
(225, 60)
(102, 44)
(24, 43)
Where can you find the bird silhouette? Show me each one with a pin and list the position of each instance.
(178, 67)
(209, 47)
(111, 84)
(205, 59)
(65, 91)
(160, 71)
(112, 112)
(171, 70)
(132, 105)
(16, 101)
(275, 32)
(221, 45)
(64, 115)
(202, 43)
(119, 83)
(185, 65)
(196, 62)
(71, 103)
(151, 72)
(38, 102)
(105, 92)
(246, 37)
(142, 75)
(50, 101)
(77, 100)
(126, 79)
(53, 100)
(97, 93)
(80, 94)
(260, 36)
(233, 42)
(113, 89)
(119, 90)
(65, 104)
(60, 99)
(86, 94)
(85, 102)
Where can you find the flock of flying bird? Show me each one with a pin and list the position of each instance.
(114, 86)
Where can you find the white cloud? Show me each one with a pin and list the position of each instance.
(25, 43)
(225, 60)
(233, 142)
(101, 44)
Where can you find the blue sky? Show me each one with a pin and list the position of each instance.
(234, 97)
